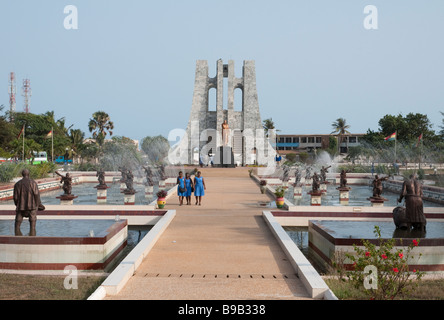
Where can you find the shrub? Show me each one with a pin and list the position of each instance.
(392, 271)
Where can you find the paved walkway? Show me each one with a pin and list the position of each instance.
(220, 250)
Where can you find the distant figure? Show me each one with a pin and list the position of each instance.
(315, 184)
(324, 172)
(343, 179)
(307, 173)
(377, 186)
(101, 177)
(181, 188)
(278, 159)
(225, 132)
(149, 176)
(199, 187)
(67, 182)
(297, 178)
(27, 201)
(412, 191)
(190, 187)
(129, 182)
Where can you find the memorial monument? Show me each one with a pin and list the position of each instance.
(66, 198)
(234, 137)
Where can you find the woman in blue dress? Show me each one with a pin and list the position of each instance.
(181, 187)
(189, 186)
(199, 187)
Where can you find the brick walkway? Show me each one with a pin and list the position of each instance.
(220, 250)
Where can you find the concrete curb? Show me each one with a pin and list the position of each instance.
(125, 270)
(313, 282)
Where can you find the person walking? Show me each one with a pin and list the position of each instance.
(27, 201)
(181, 188)
(199, 187)
(190, 187)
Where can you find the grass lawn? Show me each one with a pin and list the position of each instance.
(46, 287)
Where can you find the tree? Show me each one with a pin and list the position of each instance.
(120, 152)
(7, 132)
(100, 125)
(340, 127)
(408, 128)
(156, 148)
(268, 124)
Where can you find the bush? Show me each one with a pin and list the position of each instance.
(392, 276)
(9, 171)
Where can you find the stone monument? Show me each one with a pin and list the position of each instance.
(232, 136)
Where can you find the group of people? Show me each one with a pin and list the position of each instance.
(186, 186)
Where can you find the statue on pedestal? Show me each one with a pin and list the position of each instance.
(324, 172)
(225, 133)
(101, 177)
(149, 176)
(67, 183)
(377, 186)
(316, 183)
(414, 210)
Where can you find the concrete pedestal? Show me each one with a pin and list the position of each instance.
(129, 199)
(344, 195)
(149, 190)
(66, 200)
(316, 198)
(308, 182)
(323, 187)
(162, 185)
(297, 192)
(122, 186)
(377, 201)
(101, 193)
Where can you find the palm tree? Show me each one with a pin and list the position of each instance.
(340, 128)
(101, 125)
(268, 124)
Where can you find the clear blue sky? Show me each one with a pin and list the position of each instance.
(315, 61)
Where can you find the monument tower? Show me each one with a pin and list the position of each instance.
(205, 134)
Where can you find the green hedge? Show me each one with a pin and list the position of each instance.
(9, 171)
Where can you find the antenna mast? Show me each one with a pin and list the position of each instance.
(26, 93)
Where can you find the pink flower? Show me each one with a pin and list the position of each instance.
(415, 242)
(367, 254)
(383, 256)
(395, 270)
(401, 255)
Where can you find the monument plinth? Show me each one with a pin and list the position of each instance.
(344, 195)
(66, 199)
(224, 157)
(316, 197)
(101, 193)
(377, 201)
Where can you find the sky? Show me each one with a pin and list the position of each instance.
(315, 60)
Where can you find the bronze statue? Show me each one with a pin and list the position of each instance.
(225, 132)
(377, 186)
(101, 177)
(343, 179)
(162, 172)
(67, 183)
(414, 210)
(129, 182)
(149, 176)
(27, 201)
(324, 172)
(316, 183)
(123, 172)
(297, 177)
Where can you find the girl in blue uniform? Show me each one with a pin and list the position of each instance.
(181, 187)
(189, 186)
(199, 187)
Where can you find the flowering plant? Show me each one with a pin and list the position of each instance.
(161, 194)
(392, 276)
